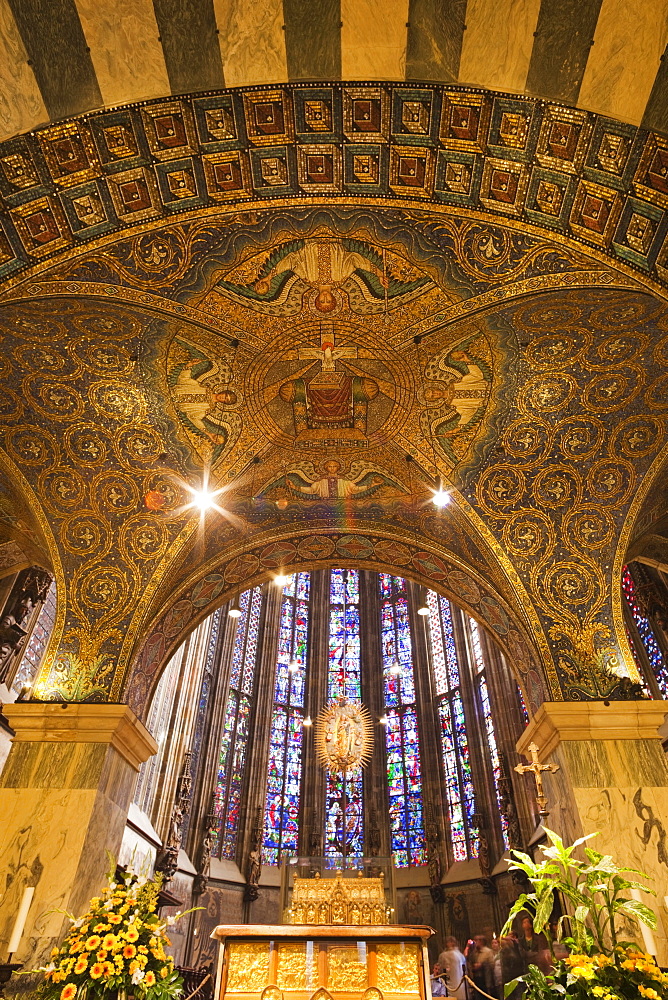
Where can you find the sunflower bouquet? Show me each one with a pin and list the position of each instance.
(116, 949)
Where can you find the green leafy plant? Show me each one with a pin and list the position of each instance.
(599, 893)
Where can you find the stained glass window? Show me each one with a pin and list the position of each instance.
(646, 632)
(479, 668)
(404, 772)
(455, 753)
(344, 811)
(281, 816)
(234, 741)
(41, 634)
(523, 708)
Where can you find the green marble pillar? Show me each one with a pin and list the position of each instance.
(613, 778)
(64, 797)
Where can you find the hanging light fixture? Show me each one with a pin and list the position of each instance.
(424, 607)
(234, 611)
(293, 666)
(281, 580)
(308, 721)
(383, 720)
(395, 669)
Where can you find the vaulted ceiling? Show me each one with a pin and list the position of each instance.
(328, 298)
(63, 57)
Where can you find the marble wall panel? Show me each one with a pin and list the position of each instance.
(313, 39)
(125, 49)
(21, 104)
(64, 808)
(385, 22)
(628, 45)
(497, 44)
(252, 41)
(631, 821)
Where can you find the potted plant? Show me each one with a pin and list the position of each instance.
(117, 949)
(600, 894)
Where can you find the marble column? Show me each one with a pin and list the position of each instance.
(64, 796)
(613, 778)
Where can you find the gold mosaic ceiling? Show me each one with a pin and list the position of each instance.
(327, 360)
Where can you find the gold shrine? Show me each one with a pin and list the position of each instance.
(338, 901)
(322, 962)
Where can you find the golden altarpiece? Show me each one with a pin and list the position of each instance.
(337, 942)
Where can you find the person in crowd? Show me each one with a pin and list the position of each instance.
(480, 962)
(512, 964)
(497, 969)
(438, 987)
(533, 947)
(452, 965)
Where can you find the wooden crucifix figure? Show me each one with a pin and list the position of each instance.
(536, 768)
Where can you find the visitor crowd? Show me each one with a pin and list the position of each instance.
(489, 965)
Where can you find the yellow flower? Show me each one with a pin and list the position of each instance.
(108, 969)
(100, 928)
(68, 992)
(114, 918)
(129, 951)
(81, 965)
(648, 992)
(133, 967)
(109, 941)
(132, 934)
(598, 991)
(58, 976)
(55, 952)
(583, 972)
(149, 979)
(164, 972)
(96, 970)
(93, 942)
(101, 955)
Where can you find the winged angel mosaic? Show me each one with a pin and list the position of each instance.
(337, 384)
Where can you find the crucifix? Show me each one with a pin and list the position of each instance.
(536, 768)
(328, 354)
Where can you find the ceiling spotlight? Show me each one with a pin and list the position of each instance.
(440, 498)
(395, 668)
(423, 610)
(293, 666)
(234, 611)
(282, 580)
(203, 499)
(383, 720)
(308, 721)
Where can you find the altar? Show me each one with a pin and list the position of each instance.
(322, 962)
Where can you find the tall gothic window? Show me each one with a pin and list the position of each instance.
(344, 793)
(404, 772)
(657, 661)
(34, 651)
(234, 742)
(454, 738)
(483, 693)
(281, 814)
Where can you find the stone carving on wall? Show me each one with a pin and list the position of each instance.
(168, 856)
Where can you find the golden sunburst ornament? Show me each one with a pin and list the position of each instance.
(344, 736)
